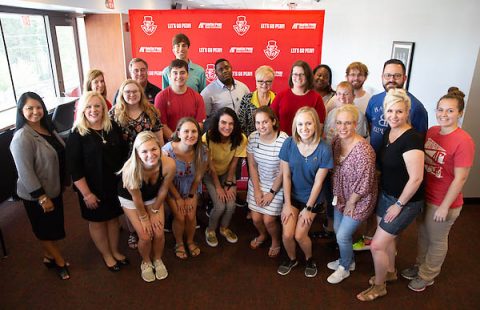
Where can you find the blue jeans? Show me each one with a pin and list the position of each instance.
(345, 227)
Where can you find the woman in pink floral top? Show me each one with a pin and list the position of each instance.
(354, 187)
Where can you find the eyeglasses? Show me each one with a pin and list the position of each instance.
(130, 92)
(264, 82)
(297, 75)
(396, 76)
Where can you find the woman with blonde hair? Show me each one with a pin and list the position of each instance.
(191, 159)
(95, 151)
(400, 161)
(146, 178)
(354, 187)
(134, 114)
(262, 96)
(305, 160)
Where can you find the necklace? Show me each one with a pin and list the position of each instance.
(101, 136)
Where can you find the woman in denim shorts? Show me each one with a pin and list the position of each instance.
(401, 197)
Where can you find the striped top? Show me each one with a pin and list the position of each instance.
(268, 167)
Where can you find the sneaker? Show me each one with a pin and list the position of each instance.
(419, 285)
(211, 238)
(310, 268)
(133, 240)
(334, 265)
(410, 273)
(286, 267)
(240, 203)
(363, 244)
(147, 272)
(338, 275)
(228, 234)
(160, 269)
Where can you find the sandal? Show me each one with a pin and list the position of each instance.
(373, 292)
(391, 276)
(193, 249)
(255, 243)
(180, 251)
(62, 272)
(49, 262)
(133, 241)
(273, 252)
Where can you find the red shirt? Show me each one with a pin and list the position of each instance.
(443, 153)
(286, 104)
(174, 106)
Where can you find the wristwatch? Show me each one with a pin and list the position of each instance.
(399, 203)
(273, 192)
(309, 208)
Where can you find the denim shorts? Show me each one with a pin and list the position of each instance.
(404, 218)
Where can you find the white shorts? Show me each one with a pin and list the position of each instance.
(128, 204)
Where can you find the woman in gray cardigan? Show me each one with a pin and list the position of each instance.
(39, 155)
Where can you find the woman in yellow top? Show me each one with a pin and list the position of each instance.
(226, 144)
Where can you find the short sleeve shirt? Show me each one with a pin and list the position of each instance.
(222, 154)
(303, 169)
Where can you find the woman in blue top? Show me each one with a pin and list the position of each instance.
(305, 161)
(191, 160)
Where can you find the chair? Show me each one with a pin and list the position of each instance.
(63, 118)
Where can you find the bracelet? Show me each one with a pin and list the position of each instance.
(143, 218)
(43, 200)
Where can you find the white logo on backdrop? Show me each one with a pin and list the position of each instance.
(241, 26)
(148, 25)
(210, 72)
(271, 51)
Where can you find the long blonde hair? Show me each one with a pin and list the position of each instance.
(318, 126)
(121, 115)
(81, 123)
(132, 170)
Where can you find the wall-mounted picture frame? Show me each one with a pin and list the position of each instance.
(403, 51)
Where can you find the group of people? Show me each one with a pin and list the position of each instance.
(366, 158)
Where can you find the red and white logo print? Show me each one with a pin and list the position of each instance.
(271, 51)
(241, 26)
(210, 72)
(148, 25)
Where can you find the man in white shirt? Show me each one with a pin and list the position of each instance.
(225, 91)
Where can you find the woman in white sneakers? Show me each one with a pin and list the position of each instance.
(146, 177)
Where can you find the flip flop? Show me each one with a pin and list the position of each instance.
(255, 243)
(273, 252)
(193, 249)
(181, 254)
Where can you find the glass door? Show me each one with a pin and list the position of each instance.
(64, 36)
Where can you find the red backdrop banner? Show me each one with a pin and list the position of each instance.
(247, 38)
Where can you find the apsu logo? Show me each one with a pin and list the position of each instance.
(210, 72)
(271, 51)
(148, 25)
(241, 27)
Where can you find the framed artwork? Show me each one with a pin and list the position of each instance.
(404, 51)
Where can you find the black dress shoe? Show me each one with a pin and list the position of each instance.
(114, 268)
(123, 262)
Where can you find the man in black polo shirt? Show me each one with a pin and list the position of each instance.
(139, 72)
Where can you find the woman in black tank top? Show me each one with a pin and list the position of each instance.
(146, 177)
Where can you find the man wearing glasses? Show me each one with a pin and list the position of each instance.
(393, 76)
(139, 72)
